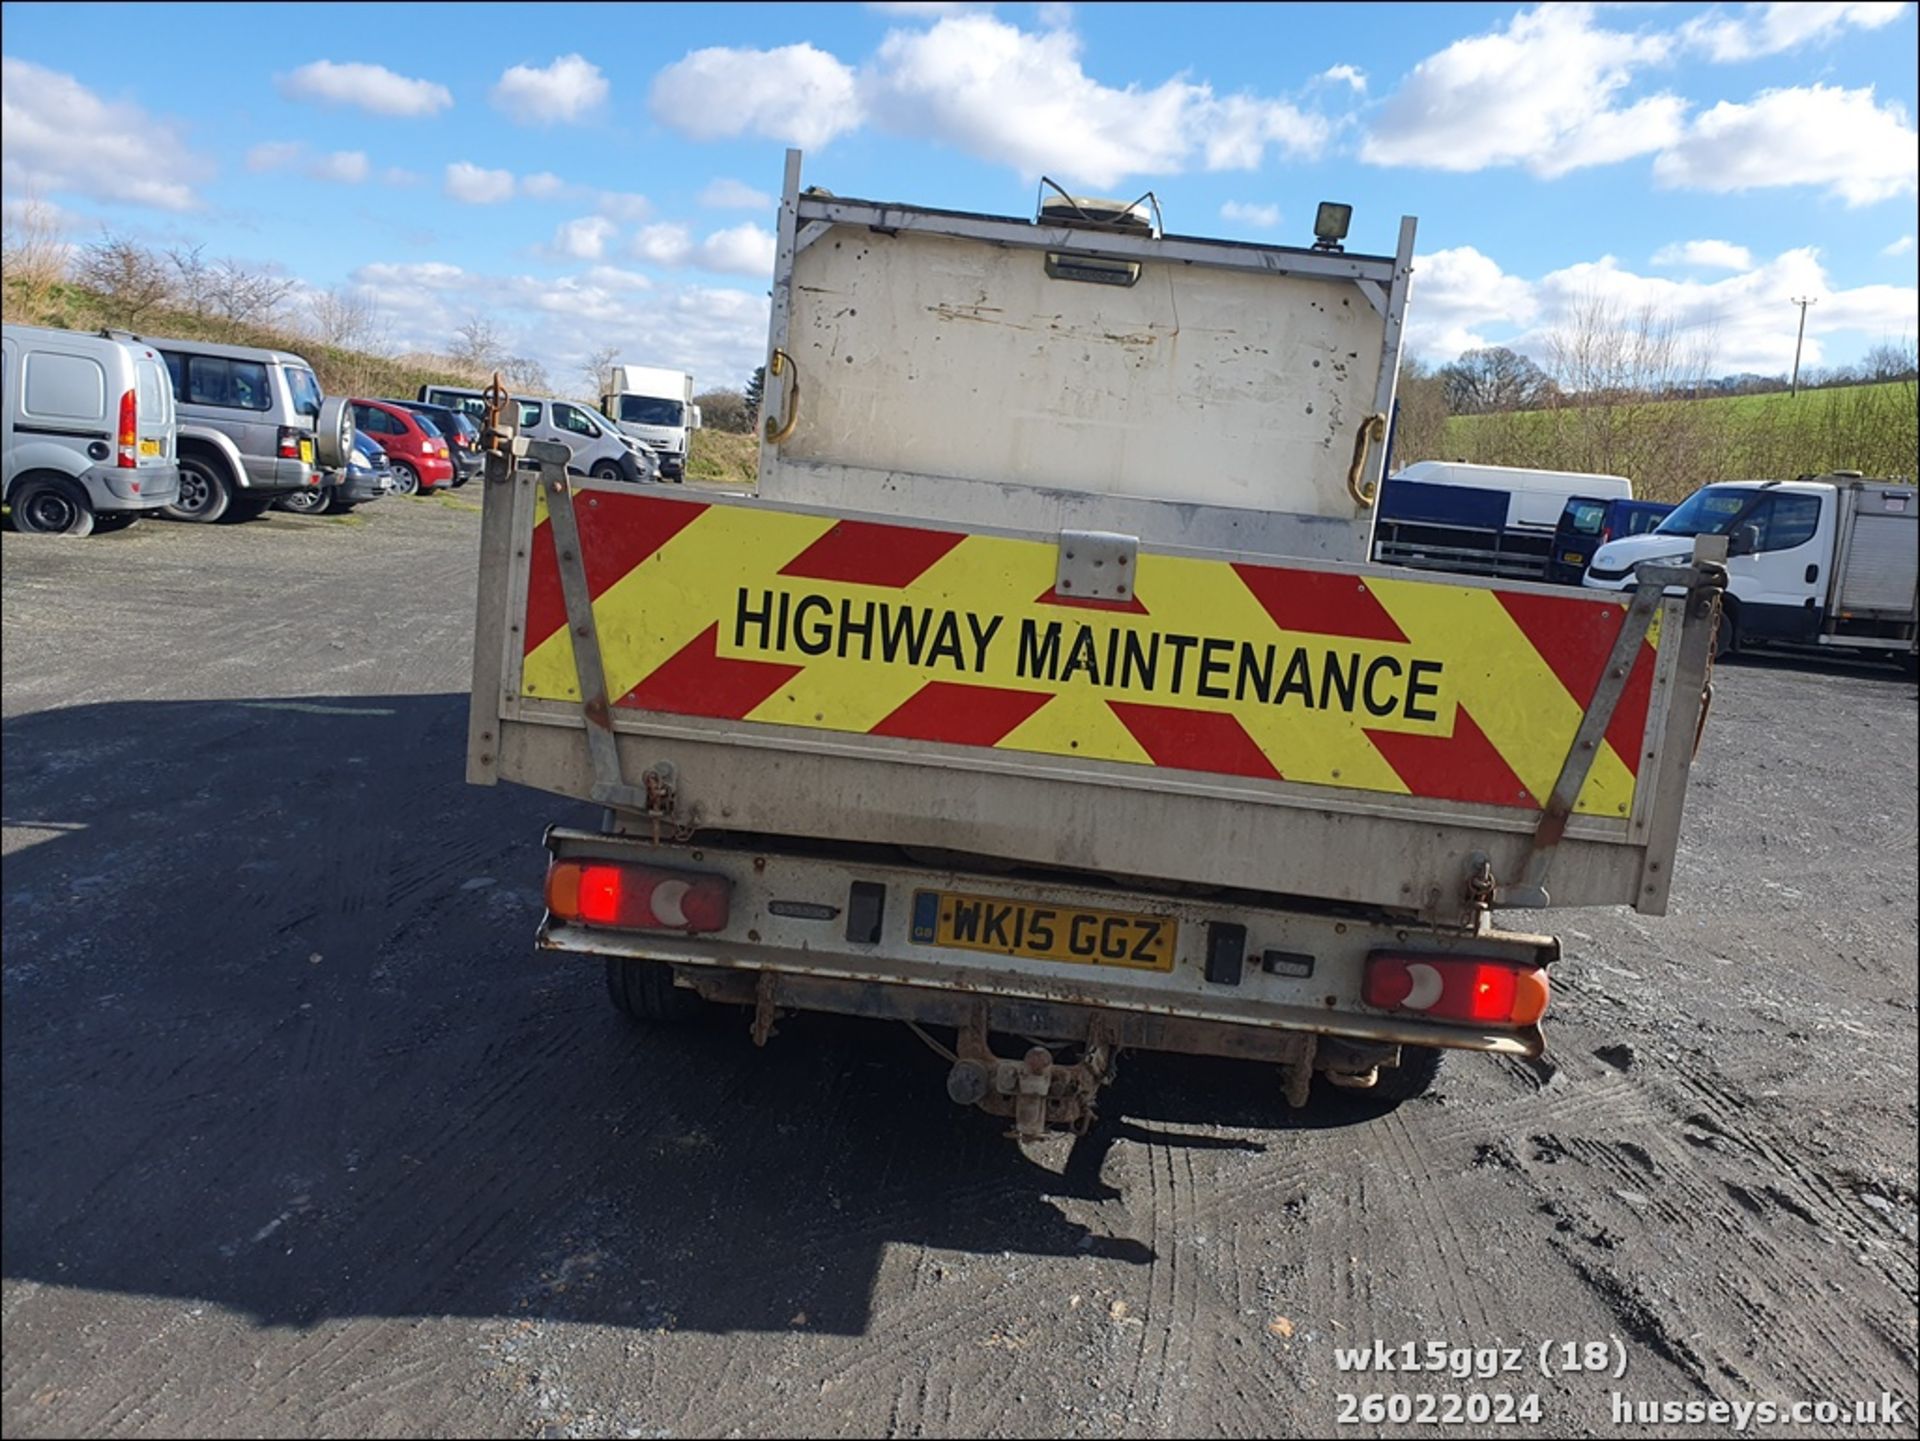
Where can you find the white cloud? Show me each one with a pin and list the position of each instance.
(1769, 29)
(1859, 150)
(1021, 99)
(1011, 96)
(663, 244)
(568, 90)
(399, 175)
(795, 94)
(367, 87)
(1456, 290)
(622, 205)
(344, 167)
(1705, 255)
(1351, 76)
(585, 238)
(348, 167)
(469, 183)
(1545, 93)
(545, 185)
(739, 250)
(726, 194)
(1262, 217)
(1902, 246)
(57, 135)
(1744, 319)
(274, 155)
(716, 332)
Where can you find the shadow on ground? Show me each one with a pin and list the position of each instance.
(276, 1037)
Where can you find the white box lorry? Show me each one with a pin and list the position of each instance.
(1040, 691)
(655, 406)
(1824, 561)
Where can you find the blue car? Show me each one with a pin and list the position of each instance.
(368, 476)
(1589, 522)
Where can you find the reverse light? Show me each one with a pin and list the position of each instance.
(621, 896)
(129, 457)
(1456, 988)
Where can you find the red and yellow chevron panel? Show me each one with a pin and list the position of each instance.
(1270, 672)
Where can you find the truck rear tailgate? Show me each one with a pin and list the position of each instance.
(1343, 732)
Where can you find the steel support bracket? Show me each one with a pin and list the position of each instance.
(1096, 565)
(1530, 891)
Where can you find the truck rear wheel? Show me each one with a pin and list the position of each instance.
(1414, 1076)
(644, 992)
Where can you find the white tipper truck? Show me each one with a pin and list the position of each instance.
(1040, 690)
(655, 406)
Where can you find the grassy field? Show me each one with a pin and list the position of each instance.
(1669, 448)
(721, 457)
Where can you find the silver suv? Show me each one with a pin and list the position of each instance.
(253, 428)
(89, 429)
(600, 448)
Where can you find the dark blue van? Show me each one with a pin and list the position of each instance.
(1589, 522)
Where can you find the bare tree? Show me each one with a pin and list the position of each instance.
(343, 318)
(126, 276)
(724, 410)
(1494, 379)
(192, 278)
(32, 253)
(526, 375)
(245, 296)
(1890, 360)
(477, 345)
(1420, 415)
(598, 368)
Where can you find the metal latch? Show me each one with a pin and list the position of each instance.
(1096, 565)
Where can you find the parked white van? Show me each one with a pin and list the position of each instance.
(89, 429)
(1496, 520)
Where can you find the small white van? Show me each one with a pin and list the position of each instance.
(89, 429)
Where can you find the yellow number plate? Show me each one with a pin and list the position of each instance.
(306, 451)
(149, 447)
(1043, 932)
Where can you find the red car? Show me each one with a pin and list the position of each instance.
(421, 459)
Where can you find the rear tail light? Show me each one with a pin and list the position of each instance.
(129, 431)
(443, 453)
(629, 897)
(1606, 534)
(289, 443)
(1456, 988)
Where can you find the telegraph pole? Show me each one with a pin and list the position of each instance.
(1798, 340)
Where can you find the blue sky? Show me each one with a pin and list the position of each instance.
(589, 176)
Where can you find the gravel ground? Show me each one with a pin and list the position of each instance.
(303, 1138)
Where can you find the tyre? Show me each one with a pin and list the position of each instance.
(606, 470)
(1726, 640)
(1414, 1076)
(316, 500)
(644, 992)
(205, 493)
(406, 480)
(47, 505)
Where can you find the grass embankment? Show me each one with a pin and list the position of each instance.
(1670, 448)
(721, 457)
(66, 306)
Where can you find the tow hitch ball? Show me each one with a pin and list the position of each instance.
(1037, 1091)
